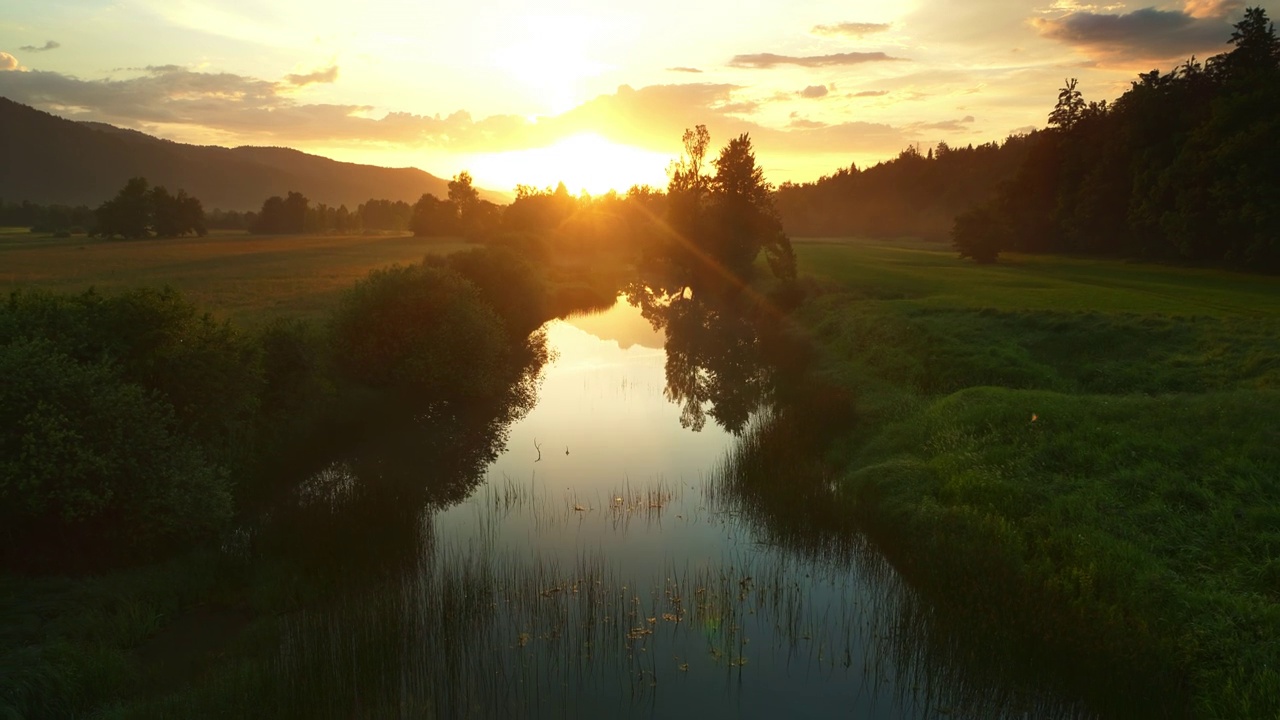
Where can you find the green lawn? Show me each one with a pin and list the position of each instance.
(932, 276)
(1086, 452)
(250, 279)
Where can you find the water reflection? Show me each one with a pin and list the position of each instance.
(614, 563)
(714, 365)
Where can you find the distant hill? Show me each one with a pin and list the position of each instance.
(47, 159)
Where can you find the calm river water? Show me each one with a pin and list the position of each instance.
(611, 565)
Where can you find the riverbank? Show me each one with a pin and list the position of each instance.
(1080, 455)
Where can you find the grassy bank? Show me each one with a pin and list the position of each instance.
(114, 643)
(1082, 454)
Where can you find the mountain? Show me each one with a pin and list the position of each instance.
(47, 159)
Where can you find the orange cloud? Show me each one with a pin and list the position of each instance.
(850, 29)
(328, 75)
(769, 60)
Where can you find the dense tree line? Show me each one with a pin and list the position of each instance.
(47, 218)
(915, 193)
(1185, 165)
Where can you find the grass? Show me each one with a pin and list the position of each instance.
(250, 279)
(69, 646)
(1080, 452)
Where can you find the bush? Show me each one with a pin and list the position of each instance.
(978, 234)
(507, 282)
(155, 339)
(93, 464)
(421, 334)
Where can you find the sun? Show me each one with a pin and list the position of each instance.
(585, 161)
(551, 59)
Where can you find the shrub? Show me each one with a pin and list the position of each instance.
(507, 282)
(155, 339)
(978, 234)
(420, 333)
(93, 464)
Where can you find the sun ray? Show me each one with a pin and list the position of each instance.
(585, 161)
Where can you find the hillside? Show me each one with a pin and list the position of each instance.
(48, 159)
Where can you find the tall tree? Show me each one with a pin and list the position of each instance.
(1070, 107)
(746, 219)
(722, 221)
(130, 214)
(465, 199)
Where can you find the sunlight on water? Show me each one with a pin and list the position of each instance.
(604, 405)
(615, 563)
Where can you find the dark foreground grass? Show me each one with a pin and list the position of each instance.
(1081, 453)
(250, 279)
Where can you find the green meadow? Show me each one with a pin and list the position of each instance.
(1083, 455)
(250, 279)
(1078, 458)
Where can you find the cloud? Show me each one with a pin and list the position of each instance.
(762, 61)
(871, 93)
(1146, 34)
(327, 75)
(8, 62)
(945, 126)
(48, 45)
(1213, 8)
(225, 108)
(806, 124)
(814, 91)
(683, 69)
(850, 29)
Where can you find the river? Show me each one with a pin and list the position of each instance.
(614, 562)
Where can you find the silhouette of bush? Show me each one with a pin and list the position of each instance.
(422, 335)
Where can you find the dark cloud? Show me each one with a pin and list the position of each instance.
(327, 75)
(738, 108)
(850, 29)
(48, 45)
(768, 60)
(683, 69)
(1146, 34)
(805, 124)
(814, 91)
(871, 93)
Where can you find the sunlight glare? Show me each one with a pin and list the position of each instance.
(551, 60)
(583, 162)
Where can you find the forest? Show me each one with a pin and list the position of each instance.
(1181, 167)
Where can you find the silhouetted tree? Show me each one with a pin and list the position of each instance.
(176, 215)
(1070, 107)
(283, 215)
(465, 199)
(140, 211)
(746, 221)
(978, 234)
(433, 217)
(720, 223)
(130, 214)
(1183, 165)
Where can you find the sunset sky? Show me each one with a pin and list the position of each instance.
(595, 94)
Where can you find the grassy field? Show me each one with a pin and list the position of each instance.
(250, 279)
(1083, 453)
